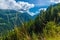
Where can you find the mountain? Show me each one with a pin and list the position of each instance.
(52, 14)
(10, 18)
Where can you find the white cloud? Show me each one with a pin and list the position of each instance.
(19, 6)
(25, 5)
(31, 13)
(42, 9)
(12, 4)
(55, 1)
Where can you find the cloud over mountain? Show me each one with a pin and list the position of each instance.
(12, 4)
(55, 1)
(23, 6)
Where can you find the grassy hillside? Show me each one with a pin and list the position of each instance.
(46, 26)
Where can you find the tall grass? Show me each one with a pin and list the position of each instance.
(50, 32)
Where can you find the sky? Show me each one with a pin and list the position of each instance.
(32, 7)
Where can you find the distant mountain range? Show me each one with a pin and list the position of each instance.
(9, 18)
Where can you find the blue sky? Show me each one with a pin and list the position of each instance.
(32, 7)
(39, 4)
